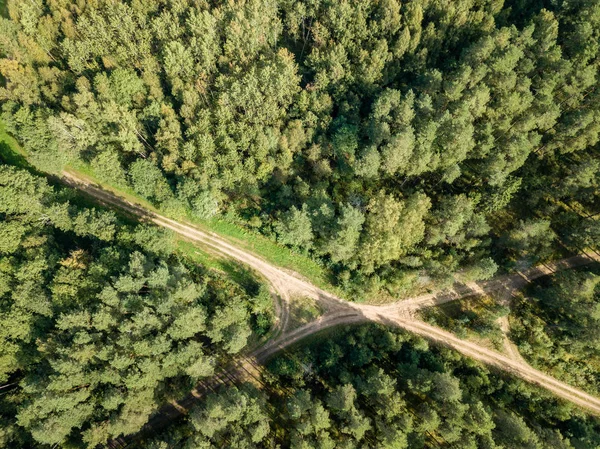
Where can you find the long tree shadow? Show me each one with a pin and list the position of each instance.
(8, 156)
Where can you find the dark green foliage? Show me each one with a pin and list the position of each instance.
(100, 322)
(374, 387)
(334, 127)
(400, 143)
(556, 324)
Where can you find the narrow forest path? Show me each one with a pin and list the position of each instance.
(339, 311)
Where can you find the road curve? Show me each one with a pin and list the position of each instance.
(399, 314)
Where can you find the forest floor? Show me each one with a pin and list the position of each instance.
(336, 311)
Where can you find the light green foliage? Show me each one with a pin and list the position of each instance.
(531, 239)
(148, 181)
(100, 322)
(466, 113)
(295, 228)
(108, 166)
(154, 240)
(451, 220)
(481, 270)
(237, 416)
(347, 233)
(392, 228)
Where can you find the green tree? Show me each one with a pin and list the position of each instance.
(147, 180)
(392, 228)
(349, 226)
(295, 228)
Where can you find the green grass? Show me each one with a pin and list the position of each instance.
(235, 271)
(125, 192)
(12, 153)
(271, 251)
(191, 251)
(303, 310)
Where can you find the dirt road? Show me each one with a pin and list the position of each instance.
(401, 314)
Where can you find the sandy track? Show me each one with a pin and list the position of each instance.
(401, 314)
(500, 361)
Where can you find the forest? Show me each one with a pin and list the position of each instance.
(394, 142)
(556, 322)
(399, 145)
(374, 387)
(100, 321)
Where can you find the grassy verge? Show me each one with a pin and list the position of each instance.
(10, 151)
(271, 251)
(85, 171)
(235, 271)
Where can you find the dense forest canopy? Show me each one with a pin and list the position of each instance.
(556, 324)
(397, 143)
(100, 321)
(370, 387)
(387, 138)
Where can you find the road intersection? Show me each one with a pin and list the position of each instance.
(337, 311)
